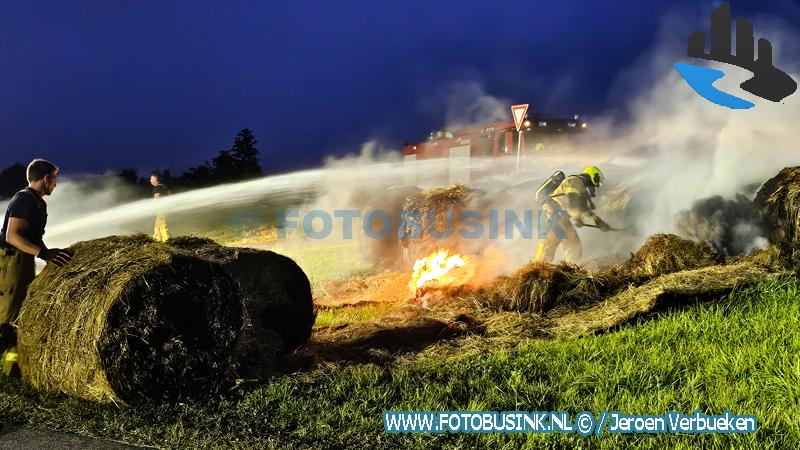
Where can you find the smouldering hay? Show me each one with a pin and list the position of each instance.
(730, 227)
(434, 211)
(538, 287)
(778, 203)
(662, 254)
(277, 298)
(706, 283)
(616, 201)
(130, 320)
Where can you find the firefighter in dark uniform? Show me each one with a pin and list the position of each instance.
(21, 241)
(160, 232)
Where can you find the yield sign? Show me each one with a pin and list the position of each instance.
(519, 111)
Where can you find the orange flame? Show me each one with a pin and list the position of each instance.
(433, 267)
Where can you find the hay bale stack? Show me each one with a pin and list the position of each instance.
(277, 298)
(539, 287)
(130, 320)
(661, 254)
(778, 203)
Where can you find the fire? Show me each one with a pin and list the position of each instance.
(433, 267)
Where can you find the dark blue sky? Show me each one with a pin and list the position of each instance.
(98, 85)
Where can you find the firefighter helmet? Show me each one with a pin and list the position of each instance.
(595, 174)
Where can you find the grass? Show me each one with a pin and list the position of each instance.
(344, 315)
(738, 354)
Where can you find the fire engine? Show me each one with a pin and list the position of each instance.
(539, 132)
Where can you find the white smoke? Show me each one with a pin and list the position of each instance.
(671, 148)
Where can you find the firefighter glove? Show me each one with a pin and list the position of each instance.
(57, 256)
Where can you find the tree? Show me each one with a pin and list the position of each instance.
(240, 162)
(200, 176)
(129, 176)
(245, 153)
(13, 179)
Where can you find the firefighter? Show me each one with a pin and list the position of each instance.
(160, 232)
(566, 198)
(21, 241)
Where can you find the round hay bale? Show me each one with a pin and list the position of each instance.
(662, 254)
(778, 203)
(539, 287)
(383, 249)
(277, 300)
(130, 320)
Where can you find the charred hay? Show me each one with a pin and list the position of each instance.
(277, 300)
(130, 320)
(432, 220)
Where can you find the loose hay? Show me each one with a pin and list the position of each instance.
(778, 203)
(708, 282)
(662, 254)
(538, 287)
(277, 299)
(130, 320)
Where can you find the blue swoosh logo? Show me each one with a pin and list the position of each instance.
(702, 79)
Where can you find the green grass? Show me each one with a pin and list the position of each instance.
(360, 314)
(741, 354)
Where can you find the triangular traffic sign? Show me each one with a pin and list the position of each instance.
(519, 111)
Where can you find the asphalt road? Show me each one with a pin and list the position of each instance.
(22, 438)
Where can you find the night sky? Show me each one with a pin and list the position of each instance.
(97, 85)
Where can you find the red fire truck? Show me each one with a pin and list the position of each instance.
(539, 132)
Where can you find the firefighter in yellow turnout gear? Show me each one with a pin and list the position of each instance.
(570, 201)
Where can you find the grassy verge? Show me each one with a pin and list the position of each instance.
(740, 354)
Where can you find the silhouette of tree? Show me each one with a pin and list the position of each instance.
(12, 180)
(200, 176)
(245, 153)
(129, 176)
(238, 163)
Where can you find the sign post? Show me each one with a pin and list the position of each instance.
(519, 111)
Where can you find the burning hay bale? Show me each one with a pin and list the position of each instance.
(130, 320)
(662, 254)
(277, 299)
(432, 220)
(778, 203)
(539, 287)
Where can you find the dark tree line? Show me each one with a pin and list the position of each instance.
(240, 162)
